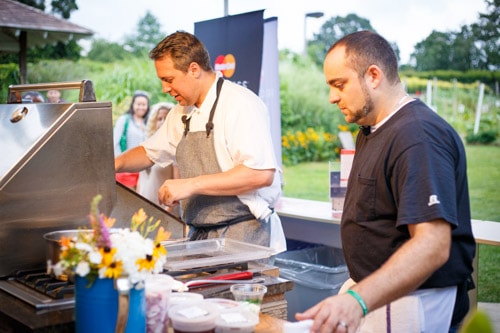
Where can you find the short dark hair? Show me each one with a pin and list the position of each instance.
(365, 48)
(184, 48)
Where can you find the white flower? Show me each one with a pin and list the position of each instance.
(110, 253)
(58, 269)
(131, 246)
(83, 246)
(95, 257)
(83, 268)
(102, 272)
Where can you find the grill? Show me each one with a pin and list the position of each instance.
(40, 290)
(55, 159)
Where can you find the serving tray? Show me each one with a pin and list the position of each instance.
(212, 252)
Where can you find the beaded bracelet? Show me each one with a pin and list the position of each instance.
(360, 301)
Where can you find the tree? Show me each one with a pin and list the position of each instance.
(104, 51)
(64, 7)
(59, 7)
(40, 4)
(147, 36)
(434, 52)
(487, 31)
(334, 29)
(473, 47)
(449, 51)
(465, 55)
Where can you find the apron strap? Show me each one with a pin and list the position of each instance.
(209, 126)
(186, 121)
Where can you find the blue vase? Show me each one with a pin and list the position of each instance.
(96, 307)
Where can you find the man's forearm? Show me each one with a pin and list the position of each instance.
(235, 181)
(133, 160)
(410, 266)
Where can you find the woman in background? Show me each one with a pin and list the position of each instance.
(129, 132)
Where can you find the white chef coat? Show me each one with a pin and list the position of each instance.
(242, 135)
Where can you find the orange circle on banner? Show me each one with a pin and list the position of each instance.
(225, 64)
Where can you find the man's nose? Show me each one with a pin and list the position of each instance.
(334, 98)
(166, 88)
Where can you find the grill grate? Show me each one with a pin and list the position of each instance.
(45, 284)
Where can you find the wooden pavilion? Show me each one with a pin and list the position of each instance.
(23, 27)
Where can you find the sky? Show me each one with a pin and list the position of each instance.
(403, 22)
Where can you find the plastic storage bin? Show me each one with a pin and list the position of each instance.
(317, 272)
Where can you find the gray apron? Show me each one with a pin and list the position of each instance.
(213, 216)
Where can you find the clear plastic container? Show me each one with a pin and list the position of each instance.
(238, 320)
(223, 304)
(185, 298)
(193, 317)
(158, 290)
(211, 252)
(249, 295)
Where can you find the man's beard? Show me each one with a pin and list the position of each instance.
(366, 109)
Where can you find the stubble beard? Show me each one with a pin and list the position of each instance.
(367, 108)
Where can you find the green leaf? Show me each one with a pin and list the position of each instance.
(477, 321)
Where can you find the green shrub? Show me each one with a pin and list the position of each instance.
(472, 76)
(304, 98)
(483, 137)
(304, 95)
(9, 74)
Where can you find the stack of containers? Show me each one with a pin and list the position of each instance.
(212, 315)
(158, 292)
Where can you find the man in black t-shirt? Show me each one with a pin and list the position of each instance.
(406, 231)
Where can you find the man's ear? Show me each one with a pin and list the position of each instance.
(373, 76)
(194, 69)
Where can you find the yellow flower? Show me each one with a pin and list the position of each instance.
(147, 263)
(114, 270)
(159, 250)
(65, 242)
(312, 135)
(162, 235)
(138, 218)
(107, 256)
(102, 253)
(109, 221)
(284, 141)
(343, 128)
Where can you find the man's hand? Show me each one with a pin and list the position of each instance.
(174, 190)
(235, 181)
(339, 313)
(426, 251)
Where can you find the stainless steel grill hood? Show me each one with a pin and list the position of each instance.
(54, 159)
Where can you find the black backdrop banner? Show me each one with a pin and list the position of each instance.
(235, 46)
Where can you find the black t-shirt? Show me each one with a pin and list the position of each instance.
(411, 170)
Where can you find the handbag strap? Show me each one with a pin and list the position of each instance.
(123, 139)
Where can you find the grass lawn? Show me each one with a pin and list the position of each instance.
(310, 181)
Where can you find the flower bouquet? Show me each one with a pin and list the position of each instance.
(101, 258)
(111, 253)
